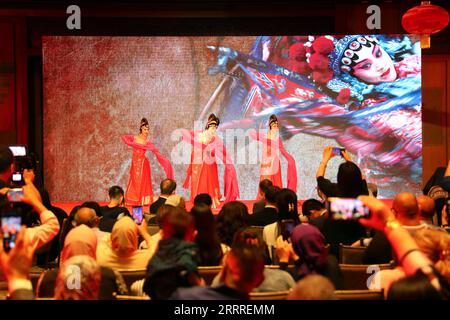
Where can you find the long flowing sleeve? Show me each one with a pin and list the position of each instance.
(291, 168)
(188, 136)
(231, 188)
(163, 161)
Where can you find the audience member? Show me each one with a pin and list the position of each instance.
(87, 216)
(274, 279)
(203, 198)
(114, 210)
(259, 205)
(168, 187)
(350, 182)
(269, 214)
(434, 244)
(210, 251)
(49, 225)
(176, 200)
(316, 212)
(309, 254)
(427, 210)
(243, 271)
(82, 241)
(232, 217)
(313, 287)
(412, 260)
(406, 210)
(121, 251)
(287, 211)
(174, 263)
(89, 273)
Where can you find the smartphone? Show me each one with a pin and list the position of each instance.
(10, 229)
(337, 151)
(15, 195)
(286, 227)
(138, 214)
(346, 209)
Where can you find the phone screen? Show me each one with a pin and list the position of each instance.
(10, 229)
(347, 209)
(286, 228)
(15, 195)
(137, 214)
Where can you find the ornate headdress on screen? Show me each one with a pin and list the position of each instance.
(212, 121)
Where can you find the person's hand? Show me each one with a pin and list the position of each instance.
(32, 197)
(283, 251)
(17, 263)
(142, 228)
(327, 153)
(4, 191)
(28, 176)
(346, 155)
(379, 213)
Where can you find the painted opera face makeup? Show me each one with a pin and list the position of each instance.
(374, 65)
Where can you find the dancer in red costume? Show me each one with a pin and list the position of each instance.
(139, 190)
(202, 172)
(270, 163)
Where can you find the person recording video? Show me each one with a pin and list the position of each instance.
(28, 194)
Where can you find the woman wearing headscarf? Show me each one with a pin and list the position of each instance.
(309, 254)
(82, 241)
(121, 250)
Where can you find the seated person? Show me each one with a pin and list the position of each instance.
(269, 214)
(274, 279)
(316, 212)
(82, 241)
(203, 198)
(85, 215)
(259, 205)
(168, 187)
(242, 272)
(114, 210)
(313, 287)
(121, 251)
(174, 263)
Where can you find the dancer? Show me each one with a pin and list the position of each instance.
(202, 172)
(271, 164)
(139, 190)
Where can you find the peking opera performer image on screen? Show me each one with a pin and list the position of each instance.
(202, 174)
(362, 91)
(270, 160)
(139, 189)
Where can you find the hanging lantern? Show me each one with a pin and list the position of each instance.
(425, 20)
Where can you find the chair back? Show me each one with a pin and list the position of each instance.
(276, 295)
(130, 276)
(125, 297)
(356, 277)
(351, 255)
(359, 294)
(209, 273)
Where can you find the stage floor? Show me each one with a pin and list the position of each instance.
(68, 206)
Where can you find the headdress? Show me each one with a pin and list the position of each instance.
(144, 123)
(212, 121)
(273, 119)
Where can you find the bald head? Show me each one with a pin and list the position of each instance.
(86, 216)
(426, 207)
(406, 208)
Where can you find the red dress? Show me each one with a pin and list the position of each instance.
(139, 190)
(271, 164)
(202, 172)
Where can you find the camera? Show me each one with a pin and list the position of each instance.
(346, 209)
(22, 160)
(137, 214)
(286, 227)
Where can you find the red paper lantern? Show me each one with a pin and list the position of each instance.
(425, 19)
